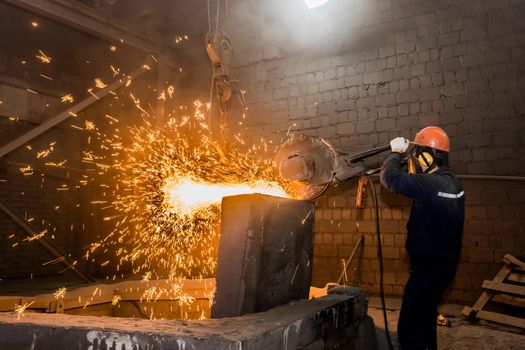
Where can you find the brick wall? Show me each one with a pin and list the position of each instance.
(359, 73)
(45, 196)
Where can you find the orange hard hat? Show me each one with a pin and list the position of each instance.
(433, 137)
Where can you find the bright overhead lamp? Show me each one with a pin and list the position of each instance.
(315, 3)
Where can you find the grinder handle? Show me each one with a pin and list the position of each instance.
(368, 153)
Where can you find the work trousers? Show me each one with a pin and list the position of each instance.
(416, 328)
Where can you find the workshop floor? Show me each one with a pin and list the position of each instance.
(460, 336)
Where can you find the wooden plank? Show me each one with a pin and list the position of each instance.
(497, 317)
(139, 295)
(514, 260)
(518, 270)
(9, 303)
(506, 288)
(97, 294)
(485, 296)
(509, 299)
(516, 277)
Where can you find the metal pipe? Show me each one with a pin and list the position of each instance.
(491, 177)
(373, 173)
(50, 246)
(48, 124)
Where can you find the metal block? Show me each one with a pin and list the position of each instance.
(265, 254)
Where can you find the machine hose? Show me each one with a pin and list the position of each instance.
(380, 257)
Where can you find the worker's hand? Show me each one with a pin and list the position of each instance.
(399, 145)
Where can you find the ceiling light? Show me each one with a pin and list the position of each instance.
(315, 3)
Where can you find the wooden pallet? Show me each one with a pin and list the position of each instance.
(508, 286)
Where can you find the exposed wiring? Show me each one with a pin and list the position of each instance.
(380, 257)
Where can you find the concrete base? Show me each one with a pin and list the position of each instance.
(265, 254)
(336, 321)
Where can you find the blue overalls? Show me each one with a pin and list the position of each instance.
(434, 232)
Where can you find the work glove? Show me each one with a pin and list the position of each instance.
(399, 145)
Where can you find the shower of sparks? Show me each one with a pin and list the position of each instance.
(43, 57)
(161, 191)
(170, 181)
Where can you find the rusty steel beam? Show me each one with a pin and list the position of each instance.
(48, 124)
(47, 244)
(84, 19)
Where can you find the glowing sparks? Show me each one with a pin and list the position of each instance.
(20, 309)
(67, 98)
(162, 188)
(115, 300)
(43, 57)
(99, 83)
(89, 125)
(46, 152)
(180, 38)
(185, 195)
(116, 71)
(27, 170)
(171, 90)
(171, 181)
(60, 293)
(46, 77)
(35, 236)
(57, 164)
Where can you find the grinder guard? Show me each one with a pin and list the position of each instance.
(310, 164)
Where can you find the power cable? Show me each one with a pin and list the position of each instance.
(218, 12)
(380, 257)
(209, 16)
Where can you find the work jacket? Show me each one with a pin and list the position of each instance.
(435, 225)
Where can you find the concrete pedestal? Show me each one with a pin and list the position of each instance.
(335, 321)
(265, 254)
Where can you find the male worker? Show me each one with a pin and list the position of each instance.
(434, 230)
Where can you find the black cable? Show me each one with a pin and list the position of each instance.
(380, 257)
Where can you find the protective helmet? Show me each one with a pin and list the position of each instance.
(433, 137)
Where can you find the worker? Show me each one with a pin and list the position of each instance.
(434, 230)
